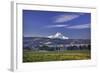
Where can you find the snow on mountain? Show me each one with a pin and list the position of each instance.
(58, 35)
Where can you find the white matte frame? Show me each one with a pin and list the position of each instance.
(16, 51)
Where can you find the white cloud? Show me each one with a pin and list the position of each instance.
(65, 18)
(53, 26)
(82, 26)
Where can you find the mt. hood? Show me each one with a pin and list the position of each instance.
(58, 35)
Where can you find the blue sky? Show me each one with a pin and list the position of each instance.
(74, 25)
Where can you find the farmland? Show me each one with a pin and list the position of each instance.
(41, 56)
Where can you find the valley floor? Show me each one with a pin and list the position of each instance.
(40, 56)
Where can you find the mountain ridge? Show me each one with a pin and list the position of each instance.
(58, 35)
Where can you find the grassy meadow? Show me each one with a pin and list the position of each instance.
(40, 56)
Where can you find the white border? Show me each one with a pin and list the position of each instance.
(17, 64)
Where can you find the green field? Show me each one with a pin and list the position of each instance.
(40, 56)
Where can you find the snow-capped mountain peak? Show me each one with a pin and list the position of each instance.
(58, 35)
